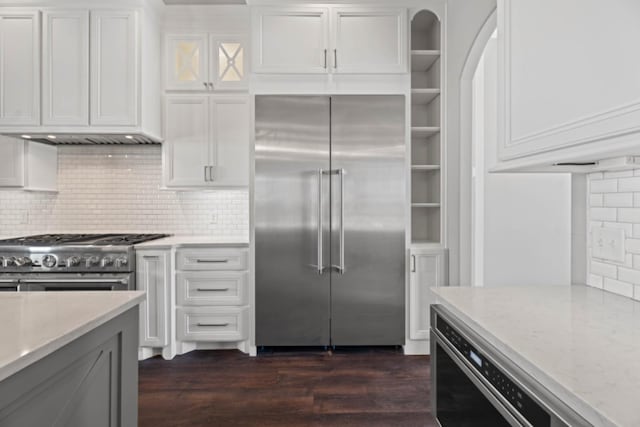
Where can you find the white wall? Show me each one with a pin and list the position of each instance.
(523, 220)
(116, 189)
(614, 202)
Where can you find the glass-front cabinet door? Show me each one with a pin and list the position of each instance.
(229, 67)
(186, 62)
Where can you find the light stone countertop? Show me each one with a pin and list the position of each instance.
(35, 324)
(192, 241)
(581, 343)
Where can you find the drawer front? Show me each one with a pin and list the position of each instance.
(213, 259)
(211, 324)
(211, 287)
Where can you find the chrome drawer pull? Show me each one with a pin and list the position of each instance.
(212, 261)
(218, 325)
(212, 289)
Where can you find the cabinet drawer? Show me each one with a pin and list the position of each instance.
(211, 324)
(211, 287)
(213, 259)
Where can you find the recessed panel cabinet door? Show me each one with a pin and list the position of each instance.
(153, 273)
(65, 70)
(12, 162)
(369, 41)
(114, 68)
(187, 140)
(290, 41)
(230, 127)
(427, 270)
(186, 62)
(19, 68)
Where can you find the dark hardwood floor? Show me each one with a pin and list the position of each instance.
(373, 387)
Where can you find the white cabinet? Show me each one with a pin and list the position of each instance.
(369, 40)
(205, 62)
(323, 40)
(19, 68)
(206, 141)
(65, 67)
(290, 40)
(114, 68)
(427, 270)
(28, 165)
(153, 275)
(568, 91)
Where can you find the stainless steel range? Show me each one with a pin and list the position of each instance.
(70, 262)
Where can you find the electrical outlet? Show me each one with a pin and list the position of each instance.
(24, 217)
(213, 219)
(608, 243)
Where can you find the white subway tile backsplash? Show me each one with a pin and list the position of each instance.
(614, 202)
(117, 189)
(629, 184)
(618, 287)
(618, 200)
(604, 185)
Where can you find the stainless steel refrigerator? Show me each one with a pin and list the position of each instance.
(329, 201)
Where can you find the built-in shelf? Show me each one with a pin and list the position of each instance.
(425, 205)
(424, 131)
(427, 210)
(422, 60)
(424, 96)
(425, 167)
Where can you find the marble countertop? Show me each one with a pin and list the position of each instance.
(35, 324)
(178, 241)
(581, 343)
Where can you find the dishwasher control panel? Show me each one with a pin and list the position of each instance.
(512, 393)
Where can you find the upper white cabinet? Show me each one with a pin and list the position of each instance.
(205, 62)
(19, 68)
(206, 141)
(569, 79)
(290, 40)
(114, 67)
(323, 40)
(28, 165)
(65, 67)
(369, 40)
(99, 74)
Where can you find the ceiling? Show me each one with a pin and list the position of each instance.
(211, 2)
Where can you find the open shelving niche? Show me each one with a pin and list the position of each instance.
(426, 121)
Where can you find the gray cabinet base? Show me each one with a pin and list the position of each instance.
(92, 381)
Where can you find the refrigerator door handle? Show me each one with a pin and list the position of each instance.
(320, 248)
(341, 267)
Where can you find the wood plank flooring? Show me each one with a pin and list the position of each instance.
(373, 387)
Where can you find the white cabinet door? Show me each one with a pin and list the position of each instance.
(229, 67)
(186, 62)
(230, 128)
(290, 40)
(153, 275)
(428, 269)
(369, 40)
(12, 162)
(571, 81)
(65, 68)
(187, 140)
(114, 68)
(19, 68)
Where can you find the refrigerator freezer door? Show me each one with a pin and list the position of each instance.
(367, 220)
(291, 153)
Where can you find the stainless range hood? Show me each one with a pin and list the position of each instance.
(90, 139)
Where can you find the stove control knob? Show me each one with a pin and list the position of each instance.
(23, 261)
(73, 261)
(9, 261)
(121, 262)
(107, 261)
(49, 261)
(92, 261)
